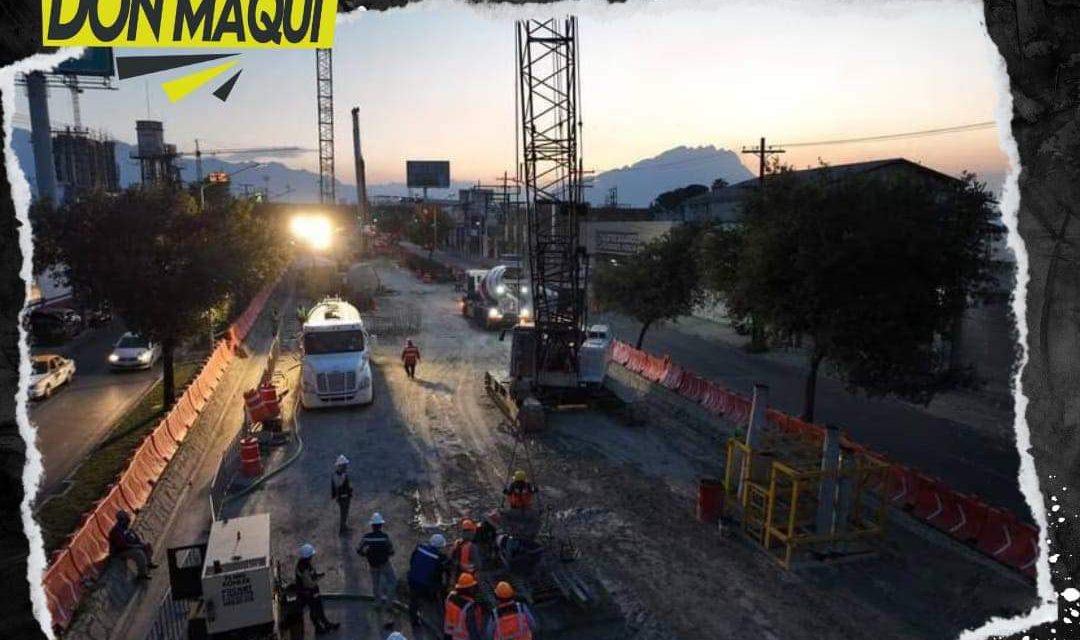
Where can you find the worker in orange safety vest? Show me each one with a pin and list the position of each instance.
(520, 492)
(512, 619)
(464, 616)
(410, 355)
(463, 553)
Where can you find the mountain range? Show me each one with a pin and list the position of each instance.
(635, 185)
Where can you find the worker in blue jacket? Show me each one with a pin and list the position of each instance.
(429, 569)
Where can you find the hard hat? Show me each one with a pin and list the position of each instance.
(468, 525)
(396, 636)
(376, 518)
(519, 476)
(465, 581)
(342, 461)
(307, 551)
(438, 541)
(504, 590)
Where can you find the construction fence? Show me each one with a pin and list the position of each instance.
(997, 533)
(83, 559)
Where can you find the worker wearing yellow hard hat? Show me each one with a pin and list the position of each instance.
(520, 492)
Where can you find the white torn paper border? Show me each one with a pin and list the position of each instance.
(33, 470)
(1045, 611)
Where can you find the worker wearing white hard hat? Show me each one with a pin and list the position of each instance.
(376, 548)
(307, 590)
(341, 491)
(397, 635)
(429, 571)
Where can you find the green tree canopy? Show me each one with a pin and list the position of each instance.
(160, 262)
(658, 283)
(872, 270)
(670, 200)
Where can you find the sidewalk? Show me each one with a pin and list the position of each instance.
(964, 439)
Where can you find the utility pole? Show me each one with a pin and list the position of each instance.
(762, 151)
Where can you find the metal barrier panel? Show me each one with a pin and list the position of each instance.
(170, 623)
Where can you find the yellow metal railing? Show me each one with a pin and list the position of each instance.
(777, 487)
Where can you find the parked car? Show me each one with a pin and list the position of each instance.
(48, 372)
(70, 317)
(48, 326)
(133, 351)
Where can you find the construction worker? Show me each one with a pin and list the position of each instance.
(464, 554)
(410, 355)
(307, 590)
(127, 545)
(464, 618)
(341, 490)
(376, 548)
(397, 635)
(511, 619)
(520, 492)
(428, 571)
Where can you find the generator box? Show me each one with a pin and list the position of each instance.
(237, 581)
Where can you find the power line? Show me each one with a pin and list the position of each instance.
(975, 126)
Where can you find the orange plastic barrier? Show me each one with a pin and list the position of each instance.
(672, 377)
(87, 550)
(994, 532)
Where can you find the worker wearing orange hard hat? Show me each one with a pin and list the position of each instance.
(464, 617)
(512, 619)
(463, 553)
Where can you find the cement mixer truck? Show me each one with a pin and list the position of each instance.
(495, 298)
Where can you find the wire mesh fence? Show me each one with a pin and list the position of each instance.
(171, 620)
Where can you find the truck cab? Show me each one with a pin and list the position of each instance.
(594, 355)
(335, 369)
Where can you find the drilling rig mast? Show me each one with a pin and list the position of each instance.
(552, 170)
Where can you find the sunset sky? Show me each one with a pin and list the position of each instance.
(437, 81)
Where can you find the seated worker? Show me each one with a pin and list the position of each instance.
(520, 492)
(127, 545)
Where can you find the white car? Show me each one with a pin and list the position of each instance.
(132, 351)
(48, 372)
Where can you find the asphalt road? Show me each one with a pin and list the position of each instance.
(80, 414)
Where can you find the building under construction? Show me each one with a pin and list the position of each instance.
(157, 160)
(85, 162)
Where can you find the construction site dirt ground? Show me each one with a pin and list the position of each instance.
(431, 450)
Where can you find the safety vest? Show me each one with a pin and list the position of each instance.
(463, 556)
(455, 609)
(520, 495)
(511, 623)
(461, 627)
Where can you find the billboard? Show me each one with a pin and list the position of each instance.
(95, 61)
(433, 174)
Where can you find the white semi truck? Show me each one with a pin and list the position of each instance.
(336, 365)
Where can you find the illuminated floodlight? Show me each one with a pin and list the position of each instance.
(315, 230)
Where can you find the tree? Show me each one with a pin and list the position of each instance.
(160, 263)
(670, 200)
(658, 283)
(872, 271)
(429, 222)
